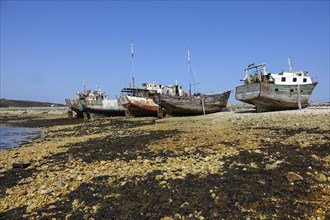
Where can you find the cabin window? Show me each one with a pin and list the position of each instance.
(294, 79)
(276, 89)
(283, 79)
(305, 80)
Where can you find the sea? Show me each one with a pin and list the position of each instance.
(11, 137)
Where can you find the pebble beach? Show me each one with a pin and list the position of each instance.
(236, 164)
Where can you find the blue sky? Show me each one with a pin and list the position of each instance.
(49, 47)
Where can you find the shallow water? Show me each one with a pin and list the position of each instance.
(11, 137)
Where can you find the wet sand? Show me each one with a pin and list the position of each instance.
(225, 165)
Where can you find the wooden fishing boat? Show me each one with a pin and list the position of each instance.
(77, 105)
(179, 103)
(98, 103)
(196, 104)
(139, 101)
(268, 92)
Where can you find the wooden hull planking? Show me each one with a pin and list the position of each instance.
(273, 96)
(194, 105)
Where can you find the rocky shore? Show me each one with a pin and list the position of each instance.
(228, 165)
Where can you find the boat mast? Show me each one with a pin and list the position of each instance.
(191, 75)
(290, 64)
(84, 83)
(189, 68)
(132, 53)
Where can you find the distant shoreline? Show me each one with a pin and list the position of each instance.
(11, 114)
(4, 103)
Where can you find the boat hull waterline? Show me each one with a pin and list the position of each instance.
(108, 107)
(193, 105)
(274, 96)
(139, 106)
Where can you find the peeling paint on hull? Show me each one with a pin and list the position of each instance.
(142, 111)
(193, 105)
(273, 96)
(75, 106)
(107, 107)
(140, 107)
(106, 112)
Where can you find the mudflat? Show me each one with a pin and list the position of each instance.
(227, 165)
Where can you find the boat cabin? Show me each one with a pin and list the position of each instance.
(136, 92)
(95, 97)
(145, 90)
(292, 78)
(258, 73)
(173, 90)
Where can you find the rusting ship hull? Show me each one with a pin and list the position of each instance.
(193, 105)
(140, 107)
(272, 97)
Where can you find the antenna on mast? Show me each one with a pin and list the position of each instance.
(290, 64)
(132, 53)
(84, 83)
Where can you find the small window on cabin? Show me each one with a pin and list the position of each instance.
(276, 89)
(294, 79)
(305, 80)
(283, 79)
